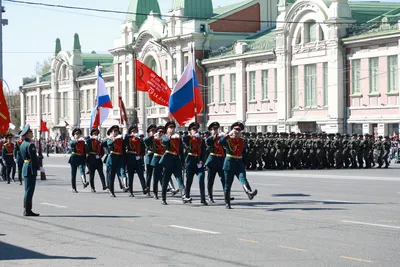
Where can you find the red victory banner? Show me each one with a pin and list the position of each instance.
(43, 127)
(4, 113)
(148, 81)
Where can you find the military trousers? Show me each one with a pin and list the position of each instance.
(30, 184)
(20, 165)
(189, 181)
(74, 170)
(10, 170)
(230, 176)
(116, 168)
(167, 174)
(92, 170)
(149, 174)
(211, 174)
(135, 165)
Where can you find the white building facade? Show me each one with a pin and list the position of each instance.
(300, 66)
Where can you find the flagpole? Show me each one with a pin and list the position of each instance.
(194, 93)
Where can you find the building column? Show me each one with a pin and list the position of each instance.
(38, 107)
(22, 97)
(241, 91)
(382, 129)
(55, 102)
(367, 128)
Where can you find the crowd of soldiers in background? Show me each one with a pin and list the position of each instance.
(316, 151)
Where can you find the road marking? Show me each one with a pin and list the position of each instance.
(58, 166)
(291, 248)
(345, 216)
(355, 259)
(54, 205)
(387, 221)
(79, 211)
(269, 184)
(247, 240)
(129, 220)
(160, 225)
(373, 224)
(99, 214)
(194, 229)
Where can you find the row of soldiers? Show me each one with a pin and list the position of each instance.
(10, 158)
(162, 153)
(316, 151)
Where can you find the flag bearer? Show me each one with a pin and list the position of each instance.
(29, 170)
(149, 157)
(172, 161)
(134, 149)
(194, 163)
(77, 159)
(115, 161)
(8, 158)
(95, 153)
(3, 167)
(235, 148)
(17, 156)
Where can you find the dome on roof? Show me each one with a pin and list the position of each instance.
(195, 8)
(139, 9)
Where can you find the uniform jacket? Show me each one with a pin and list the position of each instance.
(217, 153)
(8, 152)
(17, 151)
(116, 151)
(31, 161)
(157, 148)
(94, 151)
(173, 158)
(78, 152)
(148, 143)
(235, 149)
(195, 148)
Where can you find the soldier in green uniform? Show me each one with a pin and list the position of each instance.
(149, 157)
(259, 147)
(378, 151)
(195, 159)
(346, 151)
(366, 150)
(360, 151)
(115, 161)
(94, 155)
(17, 156)
(29, 170)
(386, 149)
(78, 158)
(337, 147)
(235, 148)
(172, 161)
(8, 158)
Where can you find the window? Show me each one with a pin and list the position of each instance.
(82, 100)
(112, 96)
(42, 104)
(295, 87)
(355, 76)
(48, 103)
(310, 31)
(166, 64)
(127, 69)
(221, 88)
(310, 85)
(120, 69)
(392, 74)
(276, 83)
(233, 87)
(373, 74)
(35, 104)
(264, 84)
(65, 104)
(210, 89)
(147, 100)
(325, 83)
(252, 91)
(185, 61)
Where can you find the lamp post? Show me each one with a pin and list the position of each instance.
(130, 49)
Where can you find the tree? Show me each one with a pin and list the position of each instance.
(43, 67)
(14, 106)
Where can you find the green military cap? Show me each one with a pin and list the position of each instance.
(260, 134)
(380, 137)
(76, 130)
(360, 135)
(112, 128)
(94, 130)
(366, 134)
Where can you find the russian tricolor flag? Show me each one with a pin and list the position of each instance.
(103, 103)
(186, 101)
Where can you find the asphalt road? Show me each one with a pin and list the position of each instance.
(299, 218)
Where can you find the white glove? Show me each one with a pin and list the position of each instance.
(175, 136)
(197, 135)
(118, 136)
(81, 139)
(221, 134)
(136, 135)
(231, 133)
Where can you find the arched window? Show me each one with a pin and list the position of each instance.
(298, 38)
(310, 31)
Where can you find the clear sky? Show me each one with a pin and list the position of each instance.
(31, 33)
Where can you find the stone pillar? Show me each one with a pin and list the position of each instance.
(22, 97)
(38, 107)
(367, 128)
(382, 129)
(55, 102)
(179, 61)
(241, 91)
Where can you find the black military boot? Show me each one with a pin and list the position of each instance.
(28, 209)
(84, 182)
(250, 194)
(227, 200)
(186, 195)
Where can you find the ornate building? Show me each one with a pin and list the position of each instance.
(305, 65)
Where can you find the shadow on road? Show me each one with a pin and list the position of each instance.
(89, 216)
(11, 252)
(2, 234)
(291, 195)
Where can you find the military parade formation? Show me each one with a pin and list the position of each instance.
(164, 153)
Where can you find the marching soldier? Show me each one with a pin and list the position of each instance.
(149, 157)
(360, 151)
(337, 147)
(78, 159)
(115, 161)
(366, 150)
(259, 147)
(3, 167)
(172, 161)
(194, 163)
(95, 153)
(154, 142)
(215, 159)
(235, 148)
(386, 149)
(8, 158)
(134, 149)
(17, 156)
(29, 170)
(346, 151)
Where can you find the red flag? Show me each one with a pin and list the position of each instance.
(4, 113)
(148, 81)
(66, 124)
(96, 121)
(43, 127)
(122, 111)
